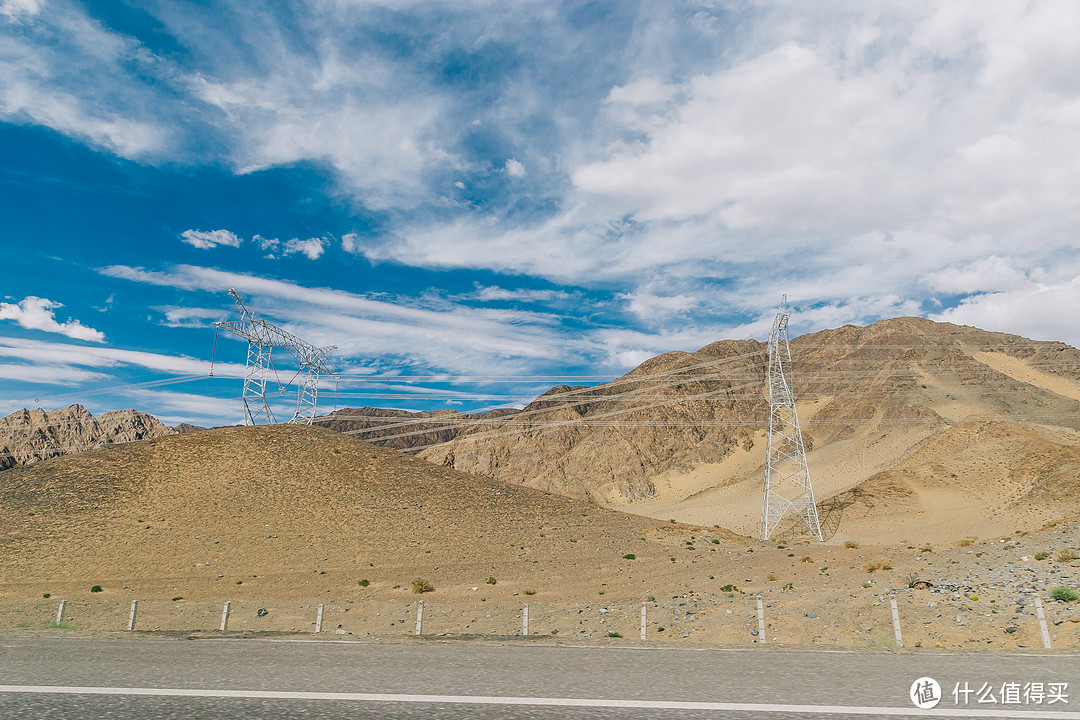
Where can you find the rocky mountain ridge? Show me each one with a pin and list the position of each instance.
(27, 436)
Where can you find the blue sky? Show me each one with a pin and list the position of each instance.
(475, 200)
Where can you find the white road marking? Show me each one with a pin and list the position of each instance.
(771, 708)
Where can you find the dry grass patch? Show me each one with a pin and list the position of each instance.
(421, 585)
(882, 564)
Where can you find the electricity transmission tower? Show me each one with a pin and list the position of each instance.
(787, 479)
(262, 338)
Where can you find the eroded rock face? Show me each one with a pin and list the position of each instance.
(27, 436)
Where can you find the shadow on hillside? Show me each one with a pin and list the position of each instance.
(831, 510)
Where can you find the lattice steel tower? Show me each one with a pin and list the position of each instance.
(787, 478)
(262, 337)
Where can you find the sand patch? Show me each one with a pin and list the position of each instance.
(1019, 370)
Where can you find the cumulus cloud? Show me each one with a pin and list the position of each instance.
(514, 168)
(312, 248)
(205, 240)
(36, 313)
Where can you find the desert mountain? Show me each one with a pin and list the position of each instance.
(403, 429)
(682, 436)
(27, 436)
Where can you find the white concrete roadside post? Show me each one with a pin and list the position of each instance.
(419, 617)
(760, 620)
(60, 612)
(131, 617)
(896, 623)
(525, 620)
(642, 621)
(225, 616)
(1042, 621)
(318, 619)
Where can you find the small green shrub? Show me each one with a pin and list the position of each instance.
(629, 556)
(729, 588)
(490, 580)
(96, 588)
(364, 583)
(62, 625)
(46, 595)
(421, 585)
(1065, 594)
(1042, 555)
(178, 598)
(612, 633)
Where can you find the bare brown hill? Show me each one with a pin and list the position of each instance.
(288, 501)
(27, 436)
(682, 436)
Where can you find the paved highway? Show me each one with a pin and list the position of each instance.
(169, 677)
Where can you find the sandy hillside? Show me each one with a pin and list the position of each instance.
(277, 520)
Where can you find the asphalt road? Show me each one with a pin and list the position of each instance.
(167, 677)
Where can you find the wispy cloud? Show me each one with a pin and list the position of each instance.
(42, 353)
(205, 240)
(36, 313)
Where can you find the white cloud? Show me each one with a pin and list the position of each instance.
(348, 114)
(62, 354)
(266, 244)
(988, 274)
(351, 243)
(514, 168)
(189, 316)
(313, 248)
(63, 70)
(651, 307)
(48, 374)
(1035, 310)
(34, 313)
(205, 240)
(495, 293)
(16, 9)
